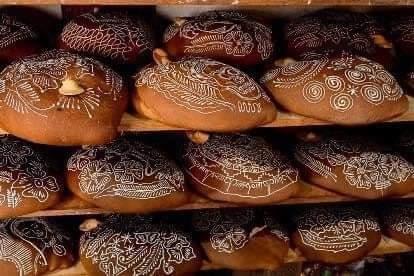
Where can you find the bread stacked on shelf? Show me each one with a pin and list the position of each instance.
(236, 239)
(126, 176)
(34, 246)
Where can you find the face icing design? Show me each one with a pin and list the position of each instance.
(363, 169)
(142, 252)
(23, 173)
(344, 80)
(112, 36)
(342, 231)
(204, 86)
(26, 85)
(119, 169)
(17, 234)
(12, 31)
(247, 175)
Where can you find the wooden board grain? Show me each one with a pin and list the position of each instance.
(386, 246)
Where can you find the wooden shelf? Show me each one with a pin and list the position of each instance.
(308, 194)
(133, 123)
(386, 246)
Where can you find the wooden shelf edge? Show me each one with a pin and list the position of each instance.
(386, 246)
(132, 123)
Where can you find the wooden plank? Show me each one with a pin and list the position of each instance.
(134, 123)
(386, 246)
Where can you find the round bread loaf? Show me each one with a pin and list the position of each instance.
(27, 181)
(405, 143)
(347, 90)
(335, 235)
(240, 168)
(228, 36)
(201, 94)
(33, 246)
(327, 32)
(59, 98)
(145, 248)
(126, 176)
(398, 221)
(233, 239)
(116, 37)
(402, 31)
(355, 167)
(17, 39)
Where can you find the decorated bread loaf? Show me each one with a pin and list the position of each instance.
(409, 80)
(201, 94)
(33, 246)
(402, 31)
(28, 183)
(355, 166)
(404, 142)
(126, 176)
(17, 39)
(228, 36)
(240, 168)
(60, 98)
(346, 89)
(334, 234)
(115, 37)
(398, 221)
(131, 246)
(236, 239)
(327, 32)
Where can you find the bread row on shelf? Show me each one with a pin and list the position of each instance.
(52, 96)
(130, 175)
(238, 239)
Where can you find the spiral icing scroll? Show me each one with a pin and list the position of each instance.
(314, 91)
(342, 102)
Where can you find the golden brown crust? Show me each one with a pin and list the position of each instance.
(201, 94)
(126, 176)
(335, 235)
(28, 182)
(36, 109)
(354, 167)
(347, 90)
(230, 37)
(240, 168)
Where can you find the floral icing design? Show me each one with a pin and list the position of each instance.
(24, 174)
(335, 230)
(114, 36)
(127, 169)
(362, 168)
(28, 85)
(146, 250)
(231, 33)
(12, 31)
(27, 242)
(400, 218)
(344, 80)
(204, 86)
(247, 175)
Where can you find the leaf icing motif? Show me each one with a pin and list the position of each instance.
(12, 31)
(202, 85)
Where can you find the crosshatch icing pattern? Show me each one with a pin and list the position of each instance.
(249, 166)
(125, 168)
(204, 86)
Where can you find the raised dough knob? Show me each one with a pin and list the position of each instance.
(89, 225)
(284, 61)
(160, 56)
(382, 42)
(70, 88)
(198, 137)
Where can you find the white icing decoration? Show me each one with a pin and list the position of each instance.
(338, 230)
(145, 252)
(344, 80)
(400, 218)
(403, 29)
(27, 82)
(23, 173)
(204, 86)
(248, 165)
(18, 236)
(237, 36)
(12, 31)
(363, 169)
(275, 227)
(118, 170)
(113, 36)
(227, 229)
